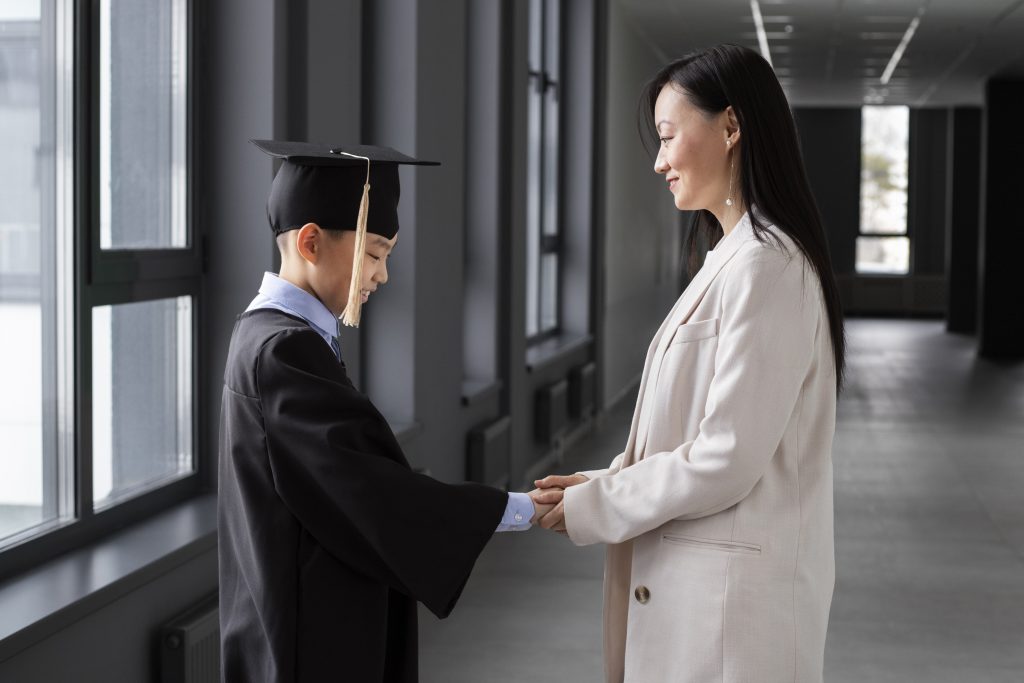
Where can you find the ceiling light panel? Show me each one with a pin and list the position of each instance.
(827, 54)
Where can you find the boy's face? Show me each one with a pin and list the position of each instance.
(328, 264)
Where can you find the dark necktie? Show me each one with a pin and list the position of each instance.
(336, 341)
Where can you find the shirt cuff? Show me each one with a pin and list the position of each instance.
(518, 513)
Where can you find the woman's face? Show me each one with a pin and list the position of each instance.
(695, 151)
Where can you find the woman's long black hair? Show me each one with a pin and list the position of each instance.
(772, 175)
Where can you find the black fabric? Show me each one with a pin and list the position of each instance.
(330, 195)
(323, 184)
(326, 537)
(315, 153)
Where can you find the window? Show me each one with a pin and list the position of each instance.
(35, 129)
(883, 246)
(142, 432)
(99, 274)
(142, 124)
(543, 156)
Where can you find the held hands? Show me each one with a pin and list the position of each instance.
(544, 502)
(547, 500)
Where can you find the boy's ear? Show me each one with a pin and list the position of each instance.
(308, 241)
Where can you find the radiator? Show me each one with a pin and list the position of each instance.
(552, 412)
(190, 646)
(581, 391)
(487, 452)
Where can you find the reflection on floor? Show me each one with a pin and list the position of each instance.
(929, 493)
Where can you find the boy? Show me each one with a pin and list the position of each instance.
(327, 538)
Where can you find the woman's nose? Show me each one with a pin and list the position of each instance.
(382, 272)
(660, 165)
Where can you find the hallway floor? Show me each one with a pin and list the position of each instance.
(929, 504)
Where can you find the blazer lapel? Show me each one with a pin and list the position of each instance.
(680, 313)
(628, 458)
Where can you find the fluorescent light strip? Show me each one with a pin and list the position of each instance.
(901, 48)
(762, 37)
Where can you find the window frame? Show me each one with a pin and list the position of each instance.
(860, 226)
(100, 278)
(545, 84)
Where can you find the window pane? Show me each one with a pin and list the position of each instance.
(21, 417)
(885, 135)
(551, 117)
(141, 397)
(142, 124)
(549, 298)
(888, 255)
(535, 123)
(35, 128)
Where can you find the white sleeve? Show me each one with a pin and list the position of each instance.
(771, 308)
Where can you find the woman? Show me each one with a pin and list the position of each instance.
(718, 515)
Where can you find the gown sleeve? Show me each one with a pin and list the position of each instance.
(338, 468)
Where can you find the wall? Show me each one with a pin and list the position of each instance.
(830, 143)
(963, 193)
(118, 641)
(1000, 323)
(237, 85)
(927, 201)
(414, 101)
(642, 231)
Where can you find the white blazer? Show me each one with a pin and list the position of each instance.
(718, 514)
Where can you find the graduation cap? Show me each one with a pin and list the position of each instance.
(330, 186)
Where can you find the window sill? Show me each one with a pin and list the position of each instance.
(479, 390)
(54, 595)
(550, 351)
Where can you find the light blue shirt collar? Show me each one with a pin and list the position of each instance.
(282, 295)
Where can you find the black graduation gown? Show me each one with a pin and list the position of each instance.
(327, 537)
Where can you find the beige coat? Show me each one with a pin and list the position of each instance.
(718, 515)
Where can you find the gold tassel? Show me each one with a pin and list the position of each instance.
(355, 297)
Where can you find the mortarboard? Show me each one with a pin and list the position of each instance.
(330, 186)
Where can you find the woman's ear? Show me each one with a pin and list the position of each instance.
(308, 242)
(732, 125)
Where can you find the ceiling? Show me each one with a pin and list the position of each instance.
(834, 52)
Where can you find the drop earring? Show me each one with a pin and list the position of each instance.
(728, 198)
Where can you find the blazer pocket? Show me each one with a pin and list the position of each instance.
(711, 544)
(689, 332)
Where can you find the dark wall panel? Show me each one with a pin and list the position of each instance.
(963, 197)
(1000, 324)
(926, 214)
(830, 143)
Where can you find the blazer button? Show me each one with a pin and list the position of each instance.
(642, 594)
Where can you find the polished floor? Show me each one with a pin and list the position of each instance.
(929, 496)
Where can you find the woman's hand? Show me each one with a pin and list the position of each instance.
(543, 502)
(560, 481)
(555, 518)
